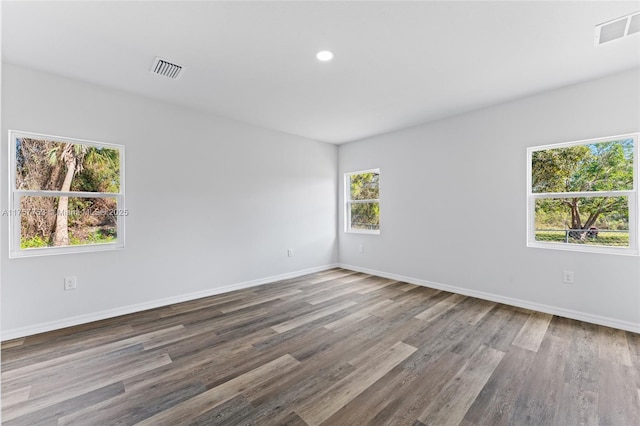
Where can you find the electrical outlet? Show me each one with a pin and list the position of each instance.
(70, 283)
(361, 248)
(567, 277)
(290, 252)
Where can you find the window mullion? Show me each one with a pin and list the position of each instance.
(582, 194)
(364, 201)
(73, 194)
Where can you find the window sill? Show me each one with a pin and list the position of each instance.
(626, 251)
(50, 251)
(362, 231)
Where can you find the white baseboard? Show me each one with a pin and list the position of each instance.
(553, 310)
(130, 309)
(110, 313)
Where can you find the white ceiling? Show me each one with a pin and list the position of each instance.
(396, 64)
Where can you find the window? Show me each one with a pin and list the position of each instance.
(583, 195)
(67, 195)
(362, 196)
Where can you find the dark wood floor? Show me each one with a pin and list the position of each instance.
(333, 348)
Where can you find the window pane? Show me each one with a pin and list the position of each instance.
(59, 166)
(48, 222)
(365, 186)
(602, 221)
(365, 216)
(605, 166)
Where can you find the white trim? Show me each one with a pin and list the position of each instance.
(583, 194)
(553, 310)
(348, 201)
(619, 251)
(632, 135)
(363, 231)
(53, 251)
(64, 139)
(70, 194)
(634, 218)
(15, 250)
(358, 172)
(130, 309)
(363, 201)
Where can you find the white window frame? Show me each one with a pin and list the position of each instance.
(348, 202)
(632, 195)
(15, 251)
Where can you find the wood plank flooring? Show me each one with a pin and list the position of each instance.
(332, 348)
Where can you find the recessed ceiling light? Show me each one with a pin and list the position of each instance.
(324, 55)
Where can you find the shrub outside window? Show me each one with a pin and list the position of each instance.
(362, 201)
(583, 195)
(67, 195)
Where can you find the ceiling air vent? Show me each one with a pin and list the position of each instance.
(166, 68)
(618, 28)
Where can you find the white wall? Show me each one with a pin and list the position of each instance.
(453, 204)
(213, 203)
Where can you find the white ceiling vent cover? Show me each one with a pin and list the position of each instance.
(617, 28)
(166, 68)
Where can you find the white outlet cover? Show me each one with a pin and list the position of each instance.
(69, 283)
(567, 277)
